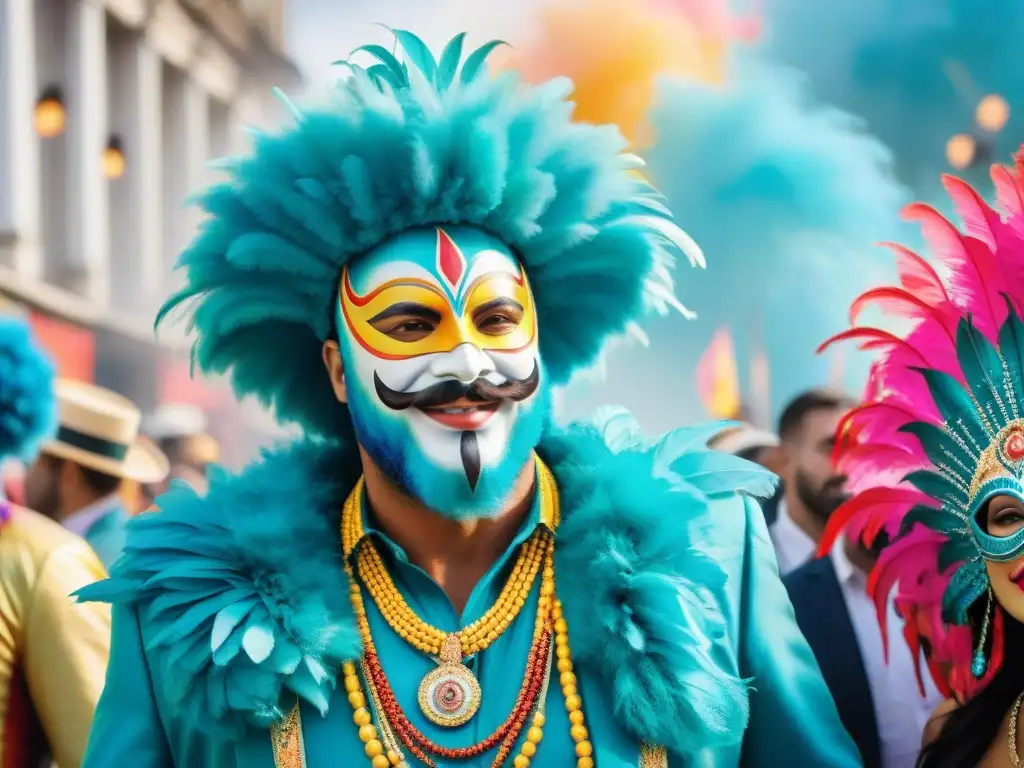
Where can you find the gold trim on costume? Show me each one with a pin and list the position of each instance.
(653, 757)
(995, 459)
(286, 739)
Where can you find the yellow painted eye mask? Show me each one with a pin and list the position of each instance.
(406, 317)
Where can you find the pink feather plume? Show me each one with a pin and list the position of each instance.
(984, 262)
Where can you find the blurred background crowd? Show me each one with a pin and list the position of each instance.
(785, 134)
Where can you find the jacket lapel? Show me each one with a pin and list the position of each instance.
(825, 622)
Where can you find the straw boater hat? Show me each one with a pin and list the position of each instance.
(184, 425)
(744, 438)
(99, 430)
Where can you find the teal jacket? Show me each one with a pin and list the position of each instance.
(232, 606)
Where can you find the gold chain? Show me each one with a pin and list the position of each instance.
(1014, 714)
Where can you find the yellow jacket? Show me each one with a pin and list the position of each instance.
(53, 652)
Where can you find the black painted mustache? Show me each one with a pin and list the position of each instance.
(446, 392)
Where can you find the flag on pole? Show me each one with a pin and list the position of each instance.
(760, 389)
(837, 369)
(718, 384)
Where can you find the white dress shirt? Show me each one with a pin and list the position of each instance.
(900, 710)
(793, 547)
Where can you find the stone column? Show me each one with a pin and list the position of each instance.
(87, 247)
(135, 199)
(185, 152)
(19, 146)
(197, 152)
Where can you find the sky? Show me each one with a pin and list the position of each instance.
(322, 31)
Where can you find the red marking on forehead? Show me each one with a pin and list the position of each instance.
(451, 264)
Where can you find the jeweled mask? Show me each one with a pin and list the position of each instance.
(977, 454)
(439, 341)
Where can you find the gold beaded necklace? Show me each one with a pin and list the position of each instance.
(381, 746)
(1012, 738)
(450, 649)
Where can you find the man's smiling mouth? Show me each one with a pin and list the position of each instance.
(462, 415)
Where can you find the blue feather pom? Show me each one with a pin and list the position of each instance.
(28, 407)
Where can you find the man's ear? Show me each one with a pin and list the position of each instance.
(335, 369)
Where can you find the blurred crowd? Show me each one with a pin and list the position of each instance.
(79, 461)
(174, 438)
(882, 702)
(103, 463)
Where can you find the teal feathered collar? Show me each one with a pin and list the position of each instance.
(244, 600)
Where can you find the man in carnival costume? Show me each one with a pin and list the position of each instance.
(935, 458)
(389, 590)
(53, 653)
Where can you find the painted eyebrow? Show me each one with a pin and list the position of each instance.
(408, 308)
(499, 303)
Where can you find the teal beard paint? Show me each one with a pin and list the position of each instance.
(387, 437)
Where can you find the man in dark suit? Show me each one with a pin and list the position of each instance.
(879, 704)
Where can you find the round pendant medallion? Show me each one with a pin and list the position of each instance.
(1014, 446)
(450, 695)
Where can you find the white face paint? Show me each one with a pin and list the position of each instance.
(428, 315)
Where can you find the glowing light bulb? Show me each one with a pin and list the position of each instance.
(992, 113)
(960, 151)
(50, 115)
(113, 159)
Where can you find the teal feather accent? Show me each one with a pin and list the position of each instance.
(449, 63)
(956, 550)
(931, 517)
(387, 59)
(677, 443)
(682, 455)
(405, 144)
(941, 443)
(619, 428)
(981, 368)
(967, 584)
(1011, 347)
(417, 53)
(241, 592)
(954, 403)
(717, 474)
(475, 61)
(938, 487)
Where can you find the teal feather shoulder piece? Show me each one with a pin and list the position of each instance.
(241, 592)
(243, 602)
(631, 572)
(406, 144)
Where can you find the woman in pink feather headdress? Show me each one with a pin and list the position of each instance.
(935, 457)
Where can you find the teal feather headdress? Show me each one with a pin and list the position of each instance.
(410, 144)
(942, 431)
